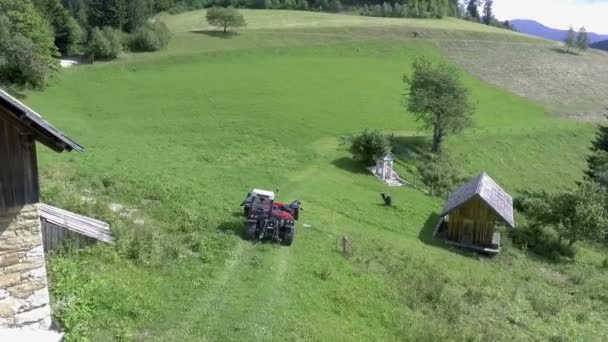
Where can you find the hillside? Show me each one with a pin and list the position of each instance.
(534, 28)
(182, 135)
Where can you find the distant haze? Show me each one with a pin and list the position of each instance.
(559, 14)
(535, 28)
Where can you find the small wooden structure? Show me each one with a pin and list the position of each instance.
(59, 225)
(469, 217)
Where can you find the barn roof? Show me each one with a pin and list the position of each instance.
(43, 131)
(489, 191)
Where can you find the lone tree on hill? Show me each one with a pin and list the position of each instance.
(225, 18)
(582, 40)
(439, 100)
(570, 40)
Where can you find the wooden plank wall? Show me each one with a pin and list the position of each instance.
(54, 236)
(18, 167)
(483, 218)
(60, 225)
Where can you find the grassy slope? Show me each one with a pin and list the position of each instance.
(182, 135)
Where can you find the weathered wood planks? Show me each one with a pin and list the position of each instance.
(59, 225)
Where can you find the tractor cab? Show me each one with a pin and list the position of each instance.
(258, 202)
(267, 219)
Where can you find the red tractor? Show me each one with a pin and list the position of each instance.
(269, 220)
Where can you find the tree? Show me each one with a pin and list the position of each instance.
(150, 37)
(27, 45)
(438, 100)
(414, 7)
(369, 145)
(137, 12)
(112, 13)
(105, 43)
(21, 62)
(582, 40)
(225, 18)
(438, 173)
(570, 40)
(473, 9)
(579, 214)
(335, 6)
(597, 162)
(68, 33)
(302, 5)
(487, 12)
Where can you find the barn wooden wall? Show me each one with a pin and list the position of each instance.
(18, 166)
(483, 218)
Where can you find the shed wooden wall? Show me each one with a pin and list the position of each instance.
(18, 166)
(54, 236)
(483, 217)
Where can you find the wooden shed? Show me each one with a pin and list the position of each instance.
(470, 215)
(23, 282)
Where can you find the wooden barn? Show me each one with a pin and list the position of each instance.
(470, 215)
(24, 299)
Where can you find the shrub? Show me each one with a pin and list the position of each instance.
(438, 173)
(150, 37)
(105, 43)
(369, 146)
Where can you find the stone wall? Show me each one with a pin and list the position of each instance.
(24, 295)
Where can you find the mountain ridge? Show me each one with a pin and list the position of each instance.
(535, 28)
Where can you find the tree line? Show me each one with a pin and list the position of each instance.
(486, 16)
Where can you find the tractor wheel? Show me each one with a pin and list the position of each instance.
(250, 230)
(288, 238)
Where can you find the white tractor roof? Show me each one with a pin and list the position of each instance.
(263, 193)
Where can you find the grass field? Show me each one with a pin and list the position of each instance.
(182, 135)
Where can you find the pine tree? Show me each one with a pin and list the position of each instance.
(597, 162)
(473, 9)
(113, 13)
(582, 40)
(570, 40)
(487, 12)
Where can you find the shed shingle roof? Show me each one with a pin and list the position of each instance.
(489, 191)
(41, 129)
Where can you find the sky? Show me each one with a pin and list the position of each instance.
(593, 14)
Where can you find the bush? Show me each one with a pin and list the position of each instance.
(438, 173)
(369, 146)
(150, 37)
(105, 43)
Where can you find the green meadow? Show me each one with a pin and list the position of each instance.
(179, 137)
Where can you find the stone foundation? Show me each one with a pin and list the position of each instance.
(24, 295)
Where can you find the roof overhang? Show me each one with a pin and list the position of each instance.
(31, 121)
(509, 221)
